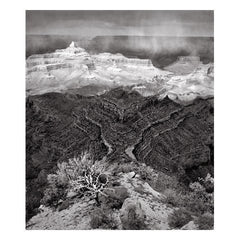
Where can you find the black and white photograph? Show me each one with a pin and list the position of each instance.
(119, 119)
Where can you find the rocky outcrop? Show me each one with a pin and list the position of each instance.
(76, 216)
(138, 211)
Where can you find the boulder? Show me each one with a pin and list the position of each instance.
(132, 215)
(64, 205)
(113, 198)
(71, 194)
(190, 226)
(131, 174)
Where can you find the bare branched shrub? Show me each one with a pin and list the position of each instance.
(81, 175)
(89, 177)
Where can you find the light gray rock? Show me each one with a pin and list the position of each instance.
(131, 174)
(190, 226)
(71, 194)
(132, 215)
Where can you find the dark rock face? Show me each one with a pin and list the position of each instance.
(179, 140)
(119, 125)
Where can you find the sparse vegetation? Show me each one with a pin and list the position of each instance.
(173, 198)
(146, 173)
(135, 219)
(100, 219)
(196, 201)
(179, 218)
(205, 222)
(114, 198)
(81, 175)
(163, 182)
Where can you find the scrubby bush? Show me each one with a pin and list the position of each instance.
(197, 200)
(205, 222)
(173, 198)
(164, 182)
(179, 218)
(56, 190)
(146, 173)
(200, 196)
(80, 175)
(136, 223)
(208, 183)
(100, 220)
(32, 203)
(133, 218)
(51, 196)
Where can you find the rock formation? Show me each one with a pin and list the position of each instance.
(74, 68)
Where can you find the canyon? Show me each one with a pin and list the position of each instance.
(74, 69)
(122, 110)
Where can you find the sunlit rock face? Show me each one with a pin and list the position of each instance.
(74, 68)
(188, 87)
(191, 78)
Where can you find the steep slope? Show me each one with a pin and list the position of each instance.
(77, 215)
(118, 126)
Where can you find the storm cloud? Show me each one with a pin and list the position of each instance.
(140, 23)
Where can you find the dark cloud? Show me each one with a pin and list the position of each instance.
(92, 23)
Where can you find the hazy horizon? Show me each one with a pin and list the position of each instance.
(92, 36)
(88, 23)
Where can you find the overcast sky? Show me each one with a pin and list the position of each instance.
(144, 23)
